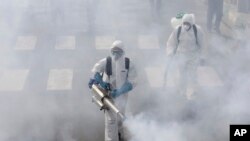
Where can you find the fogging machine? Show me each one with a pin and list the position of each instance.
(101, 99)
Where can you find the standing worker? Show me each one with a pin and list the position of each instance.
(117, 74)
(214, 10)
(184, 48)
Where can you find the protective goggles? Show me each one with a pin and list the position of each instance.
(116, 50)
(187, 23)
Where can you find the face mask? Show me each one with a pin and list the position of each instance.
(187, 26)
(116, 54)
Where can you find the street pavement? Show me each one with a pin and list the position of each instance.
(50, 51)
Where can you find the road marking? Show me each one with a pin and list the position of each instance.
(208, 77)
(13, 80)
(60, 79)
(25, 43)
(104, 42)
(65, 43)
(148, 42)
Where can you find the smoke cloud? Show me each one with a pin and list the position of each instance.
(155, 113)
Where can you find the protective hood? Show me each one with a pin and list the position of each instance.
(117, 44)
(190, 18)
(117, 50)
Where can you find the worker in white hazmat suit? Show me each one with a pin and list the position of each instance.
(177, 20)
(184, 47)
(116, 72)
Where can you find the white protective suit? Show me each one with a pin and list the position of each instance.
(113, 125)
(187, 56)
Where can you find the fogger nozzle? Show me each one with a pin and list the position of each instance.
(102, 100)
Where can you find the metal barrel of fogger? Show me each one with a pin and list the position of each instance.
(106, 101)
(97, 102)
